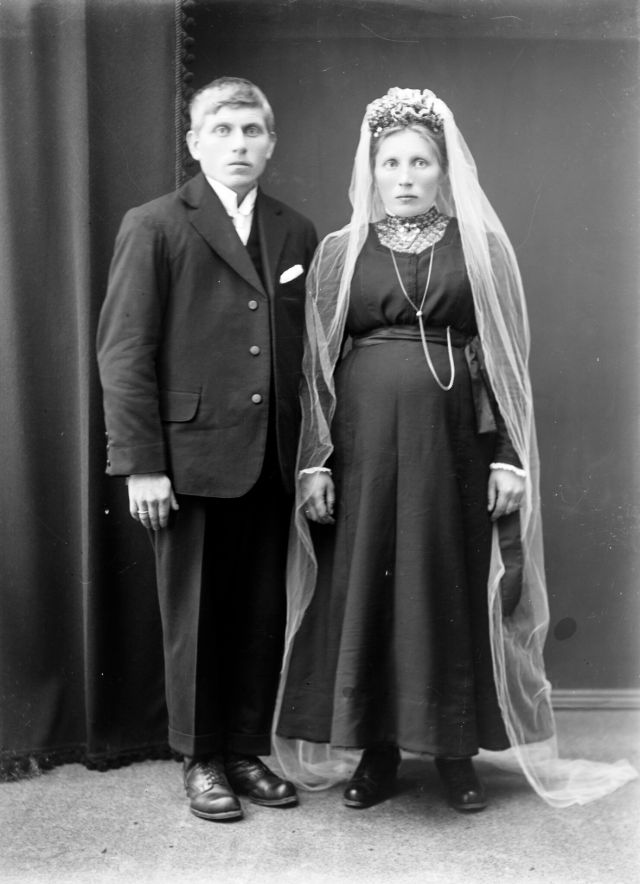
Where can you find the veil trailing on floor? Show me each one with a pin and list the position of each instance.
(517, 640)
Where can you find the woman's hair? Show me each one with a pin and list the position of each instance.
(229, 92)
(434, 139)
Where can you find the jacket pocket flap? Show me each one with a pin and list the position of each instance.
(178, 405)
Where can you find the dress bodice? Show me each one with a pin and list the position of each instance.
(377, 298)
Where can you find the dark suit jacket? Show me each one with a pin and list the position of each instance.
(190, 343)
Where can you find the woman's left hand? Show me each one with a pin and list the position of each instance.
(505, 493)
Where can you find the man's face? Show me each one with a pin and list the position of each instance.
(232, 146)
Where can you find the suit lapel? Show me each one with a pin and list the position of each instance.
(273, 232)
(208, 216)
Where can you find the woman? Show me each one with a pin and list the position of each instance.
(421, 628)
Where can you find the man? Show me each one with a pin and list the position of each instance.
(199, 348)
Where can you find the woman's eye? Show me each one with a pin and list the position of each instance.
(252, 131)
(221, 130)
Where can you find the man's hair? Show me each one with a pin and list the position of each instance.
(229, 92)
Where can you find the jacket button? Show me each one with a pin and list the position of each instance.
(255, 350)
(252, 305)
(257, 398)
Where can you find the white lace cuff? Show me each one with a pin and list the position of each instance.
(309, 471)
(510, 468)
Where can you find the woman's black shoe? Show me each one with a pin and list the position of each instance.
(464, 790)
(373, 778)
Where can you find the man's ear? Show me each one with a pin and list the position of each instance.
(272, 145)
(192, 144)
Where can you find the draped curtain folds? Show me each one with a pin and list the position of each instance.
(86, 130)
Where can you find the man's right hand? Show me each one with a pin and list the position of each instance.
(151, 499)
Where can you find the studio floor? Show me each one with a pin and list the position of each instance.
(133, 825)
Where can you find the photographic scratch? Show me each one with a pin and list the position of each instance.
(514, 63)
(388, 39)
(533, 215)
(572, 505)
(50, 531)
(501, 17)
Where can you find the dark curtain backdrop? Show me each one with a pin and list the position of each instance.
(87, 129)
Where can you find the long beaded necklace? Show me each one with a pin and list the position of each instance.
(423, 336)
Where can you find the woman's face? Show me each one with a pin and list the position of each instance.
(407, 173)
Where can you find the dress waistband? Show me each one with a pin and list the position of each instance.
(434, 335)
(483, 398)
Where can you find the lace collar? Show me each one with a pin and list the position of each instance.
(412, 234)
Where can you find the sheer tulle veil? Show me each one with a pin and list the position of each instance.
(517, 641)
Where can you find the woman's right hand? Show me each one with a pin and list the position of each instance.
(319, 493)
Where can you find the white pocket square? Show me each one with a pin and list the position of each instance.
(291, 273)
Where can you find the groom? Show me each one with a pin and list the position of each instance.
(199, 348)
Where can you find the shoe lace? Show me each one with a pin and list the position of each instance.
(252, 767)
(211, 771)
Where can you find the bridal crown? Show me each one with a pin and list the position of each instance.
(402, 107)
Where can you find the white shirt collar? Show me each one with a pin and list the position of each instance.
(229, 199)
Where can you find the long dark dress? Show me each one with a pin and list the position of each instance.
(394, 647)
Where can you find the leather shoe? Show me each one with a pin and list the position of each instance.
(210, 795)
(373, 778)
(464, 790)
(251, 777)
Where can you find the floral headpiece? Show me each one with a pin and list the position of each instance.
(402, 107)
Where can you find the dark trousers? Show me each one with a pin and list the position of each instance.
(221, 584)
